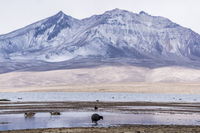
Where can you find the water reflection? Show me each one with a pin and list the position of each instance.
(83, 119)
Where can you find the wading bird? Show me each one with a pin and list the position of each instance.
(96, 117)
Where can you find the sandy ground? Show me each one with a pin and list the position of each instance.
(171, 80)
(108, 78)
(137, 87)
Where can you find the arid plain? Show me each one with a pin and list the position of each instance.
(171, 80)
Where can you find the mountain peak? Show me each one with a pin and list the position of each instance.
(116, 11)
(60, 13)
(57, 22)
(143, 13)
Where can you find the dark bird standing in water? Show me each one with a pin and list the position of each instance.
(95, 107)
(96, 117)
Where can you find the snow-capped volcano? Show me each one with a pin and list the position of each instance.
(116, 33)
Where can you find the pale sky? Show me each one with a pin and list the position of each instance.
(16, 14)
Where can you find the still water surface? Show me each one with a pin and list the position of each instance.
(84, 96)
(82, 119)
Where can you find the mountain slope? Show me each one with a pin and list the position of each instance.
(114, 34)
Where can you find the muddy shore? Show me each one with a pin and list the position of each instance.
(119, 129)
(86, 106)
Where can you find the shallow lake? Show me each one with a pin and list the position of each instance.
(83, 119)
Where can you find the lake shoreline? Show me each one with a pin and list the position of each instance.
(117, 129)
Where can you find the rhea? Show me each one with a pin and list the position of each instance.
(96, 117)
